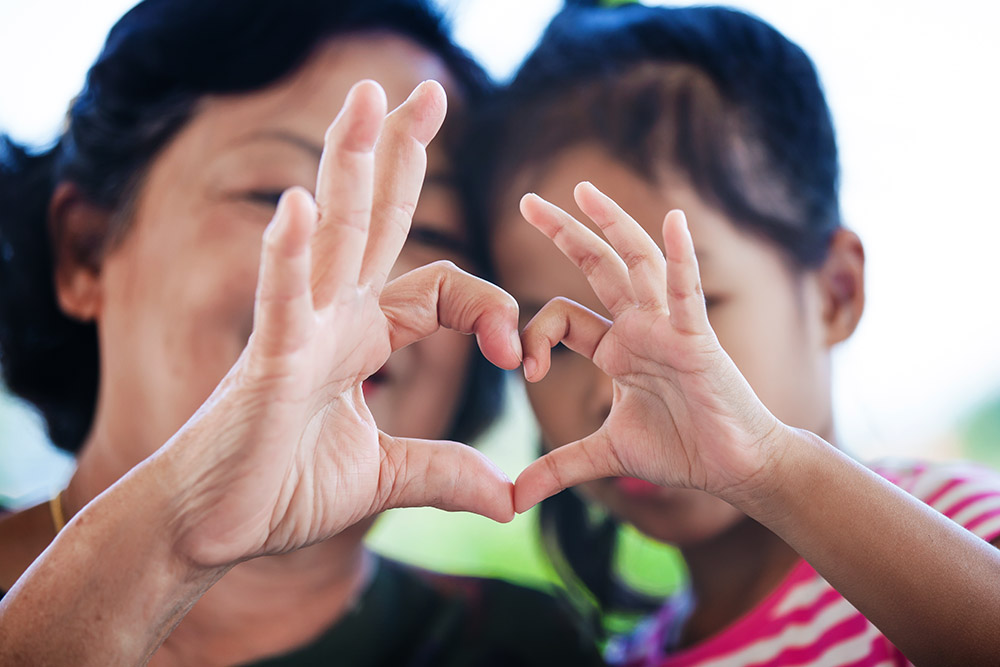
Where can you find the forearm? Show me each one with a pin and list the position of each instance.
(931, 586)
(111, 587)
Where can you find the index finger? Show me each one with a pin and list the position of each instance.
(600, 264)
(420, 302)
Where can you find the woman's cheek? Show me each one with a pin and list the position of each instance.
(233, 308)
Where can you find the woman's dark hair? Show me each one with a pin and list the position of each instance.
(711, 95)
(158, 61)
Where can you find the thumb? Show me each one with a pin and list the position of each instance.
(578, 462)
(447, 475)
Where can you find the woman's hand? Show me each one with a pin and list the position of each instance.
(682, 414)
(285, 452)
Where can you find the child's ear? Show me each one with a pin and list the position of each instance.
(79, 231)
(842, 280)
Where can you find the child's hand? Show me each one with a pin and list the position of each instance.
(682, 413)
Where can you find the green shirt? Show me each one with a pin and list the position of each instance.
(413, 617)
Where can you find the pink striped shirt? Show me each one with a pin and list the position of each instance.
(805, 621)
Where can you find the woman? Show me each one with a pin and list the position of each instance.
(193, 121)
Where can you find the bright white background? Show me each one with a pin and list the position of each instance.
(913, 88)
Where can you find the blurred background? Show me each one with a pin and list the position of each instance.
(909, 87)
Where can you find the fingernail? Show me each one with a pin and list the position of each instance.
(530, 366)
(515, 344)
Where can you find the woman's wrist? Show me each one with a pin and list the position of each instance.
(189, 491)
(145, 511)
(118, 554)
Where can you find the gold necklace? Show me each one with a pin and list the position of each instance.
(56, 509)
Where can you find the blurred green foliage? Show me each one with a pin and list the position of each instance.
(980, 434)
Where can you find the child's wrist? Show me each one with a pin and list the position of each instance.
(791, 459)
(772, 457)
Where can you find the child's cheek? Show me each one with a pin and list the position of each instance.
(563, 401)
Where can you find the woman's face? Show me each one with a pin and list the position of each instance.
(766, 315)
(177, 293)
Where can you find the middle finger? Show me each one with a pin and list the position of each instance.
(400, 163)
(344, 191)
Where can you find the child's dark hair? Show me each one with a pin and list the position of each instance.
(158, 61)
(712, 95)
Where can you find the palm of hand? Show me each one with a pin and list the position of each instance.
(331, 477)
(287, 451)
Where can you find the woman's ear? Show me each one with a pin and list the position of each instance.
(79, 230)
(842, 281)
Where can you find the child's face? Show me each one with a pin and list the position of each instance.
(768, 317)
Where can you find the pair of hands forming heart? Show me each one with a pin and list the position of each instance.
(285, 453)
(288, 451)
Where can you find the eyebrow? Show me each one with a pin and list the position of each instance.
(314, 149)
(439, 177)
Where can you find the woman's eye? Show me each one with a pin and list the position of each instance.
(264, 197)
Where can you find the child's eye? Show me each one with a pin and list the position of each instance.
(437, 239)
(711, 301)
(560, 350)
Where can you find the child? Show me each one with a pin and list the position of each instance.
(698, 405)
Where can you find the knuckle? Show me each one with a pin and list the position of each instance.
(634, 258)
(561, 304)
(510, 309)
(392, 471)
(354, 217)
(589, 262)
(555, 471)
(401, 211)
(444, 267)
